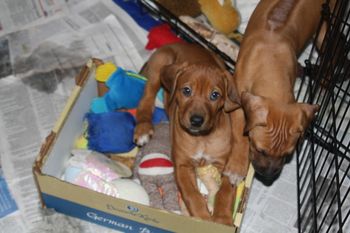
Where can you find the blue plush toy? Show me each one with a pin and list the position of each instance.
(110, 132)
(125, 91)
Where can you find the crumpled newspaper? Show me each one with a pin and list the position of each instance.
(221, 41)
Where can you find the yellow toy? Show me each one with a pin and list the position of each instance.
(210, 177)
(104, 71)
(221, 14)
(102, 74)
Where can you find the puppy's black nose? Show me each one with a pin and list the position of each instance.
(196, 121)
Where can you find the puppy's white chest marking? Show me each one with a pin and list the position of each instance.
(199, 156)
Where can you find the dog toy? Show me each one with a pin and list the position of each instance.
(154, 169)
(161, 35)
(208, 183)
(82, 142)
(119, 89)
(132, 191)
(127, 158)
(97, 164)
(110, 132)
(125, 90)
(211, 179)
(221, 14)
(95, 171)
(102, 73)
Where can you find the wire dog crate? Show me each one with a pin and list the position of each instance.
(323, 159)
(185, 31)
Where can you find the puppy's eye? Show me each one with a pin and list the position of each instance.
(214, 95)
(186, 91)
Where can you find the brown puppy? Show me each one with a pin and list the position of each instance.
(196, 84)
(264, 79)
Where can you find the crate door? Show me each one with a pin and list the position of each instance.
(323, 159)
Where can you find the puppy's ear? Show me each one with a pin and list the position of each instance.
(232, 100)
(308, 112)
(169, 75)
(255, 110)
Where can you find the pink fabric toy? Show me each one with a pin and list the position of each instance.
(95, 171)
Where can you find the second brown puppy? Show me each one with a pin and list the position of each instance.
(196, 86)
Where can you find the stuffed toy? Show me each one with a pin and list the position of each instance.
(161, 35)
(95, 171)
(102, 73)
(110, 132)
(221, 14)
(119, 89)
(210, 177)
(154, 168)
(127, 158)
(208, 183)
(125, 89)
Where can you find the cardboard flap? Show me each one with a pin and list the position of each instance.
(45, 147)
(85, 70)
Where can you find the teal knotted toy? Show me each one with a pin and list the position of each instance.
(125, 91)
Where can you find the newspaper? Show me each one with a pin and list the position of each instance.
(273, 208)
(39, 60)
(94, 11)
(7, 203)
(17, 14)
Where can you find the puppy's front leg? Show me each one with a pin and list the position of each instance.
(152, 71)
(144, 128)
(194, 201)
(234, 172)
(236, 167)
(224, 202)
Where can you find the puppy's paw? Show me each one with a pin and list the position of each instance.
(205, 217)
(143, 133)
(143, 139)
(227, 220)
(234, 178)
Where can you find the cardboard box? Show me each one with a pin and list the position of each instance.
(96, 207)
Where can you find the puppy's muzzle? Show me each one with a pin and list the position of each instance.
(267, 167)
(267, 172)
(196, 121)
(197, 125)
